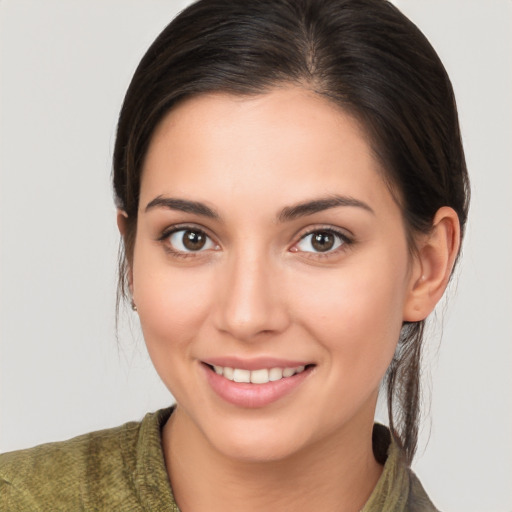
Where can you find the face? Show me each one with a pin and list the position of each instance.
(270, 271)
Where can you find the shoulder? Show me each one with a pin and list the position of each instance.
(418, 499)
(72, 474)
(398, 488)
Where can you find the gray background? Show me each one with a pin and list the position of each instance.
(64, 68)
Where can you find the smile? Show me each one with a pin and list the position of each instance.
(258, 383)
(261, 376)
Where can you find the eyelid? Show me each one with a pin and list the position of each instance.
(343, 233)
(175, 228)
(169, 230)
(346, 239)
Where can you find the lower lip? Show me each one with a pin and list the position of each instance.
(252, 396)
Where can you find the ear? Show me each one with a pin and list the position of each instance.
(121, 225)
(433, 264)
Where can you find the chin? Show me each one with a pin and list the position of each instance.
(258, 441)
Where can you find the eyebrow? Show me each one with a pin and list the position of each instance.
(183, 205)
(287, 214)
(318, 205)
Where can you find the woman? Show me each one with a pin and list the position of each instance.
(292, 193)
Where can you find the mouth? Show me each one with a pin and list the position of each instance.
(259, 376)
(257, 387)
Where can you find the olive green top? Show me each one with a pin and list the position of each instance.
(123, 469)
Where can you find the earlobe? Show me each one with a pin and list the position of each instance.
(122, 217)
(433, 265)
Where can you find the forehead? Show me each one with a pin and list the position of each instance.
(284, 144)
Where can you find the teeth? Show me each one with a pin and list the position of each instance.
(288, 372)
(275, 374)
(241, 375)
(257, 376)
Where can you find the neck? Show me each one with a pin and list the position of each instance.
(336, 474)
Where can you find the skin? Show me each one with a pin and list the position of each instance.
(260, 289)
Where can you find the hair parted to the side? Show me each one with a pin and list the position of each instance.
(364, 56)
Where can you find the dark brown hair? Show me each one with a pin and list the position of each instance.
(363, 55)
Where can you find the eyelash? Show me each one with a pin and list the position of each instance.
(345, 240)
(164, 239)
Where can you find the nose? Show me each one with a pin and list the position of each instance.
(252, 301)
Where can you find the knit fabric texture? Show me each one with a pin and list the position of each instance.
(123, 469)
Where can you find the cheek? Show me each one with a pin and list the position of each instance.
(356, 315)
(172, 307)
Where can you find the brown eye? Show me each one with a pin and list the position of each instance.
(194, 240)
(190, 240)
(320, 241)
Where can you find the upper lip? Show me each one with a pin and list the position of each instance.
(256, 363)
